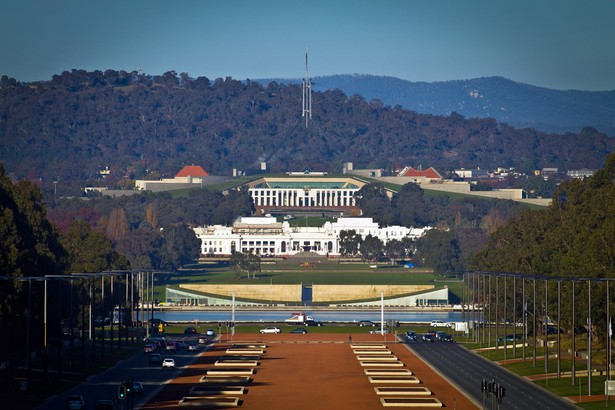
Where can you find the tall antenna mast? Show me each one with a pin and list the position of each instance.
(307, 93)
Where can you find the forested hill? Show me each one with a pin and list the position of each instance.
(517, 104)
(79, 122)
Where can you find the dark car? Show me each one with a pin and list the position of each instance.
(427, 337)
(411, 336)
(190, 331)
(137, 388)
(155, 358)
(312, 323)
(299, 330)
(443, 337)
(75, 402)
(363, 323)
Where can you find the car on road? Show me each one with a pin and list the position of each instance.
(104, 404)
(379, 331)
(168, 362)
(155, 358)
(300, 330)
(75, 402)
(137, 388)
(210, 333)
(149, 348)
(271, 329)
(193, 346)
(411, 336)
(439, 323)
(363, 323)
(190, 331)
(443, 337)
(428, 337)
(310, 322)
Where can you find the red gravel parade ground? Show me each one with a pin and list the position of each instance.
(307, 371)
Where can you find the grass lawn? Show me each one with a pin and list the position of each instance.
(358, 273)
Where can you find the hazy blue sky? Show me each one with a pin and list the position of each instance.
(563, 44)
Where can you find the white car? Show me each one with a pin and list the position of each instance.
(271, 329)
(168, 362)
(439, 323)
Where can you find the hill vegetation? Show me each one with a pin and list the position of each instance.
(517, 104)
(69, 128)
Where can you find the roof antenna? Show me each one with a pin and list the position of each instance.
(307, 93)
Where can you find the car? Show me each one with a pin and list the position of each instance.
(439, 323)
(190, 331)
(310, 322)
(271, 329)
(299, 330)
(411, 336)
(137, 388)
(427, 337)
(155, 358)
(379, 331)
(203, 340)
(171, 346)
(75, 402)
(210, 333)
(149, 348)
(168, 362)
(180, 344)
(443, 337)
(363, 323)
(104, 404)
(193, 346)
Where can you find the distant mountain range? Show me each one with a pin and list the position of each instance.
(517, 104)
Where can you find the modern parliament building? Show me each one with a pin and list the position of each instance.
(305, 193)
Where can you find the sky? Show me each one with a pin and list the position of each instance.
(559, 44)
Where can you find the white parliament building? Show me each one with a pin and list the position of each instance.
(265, 236)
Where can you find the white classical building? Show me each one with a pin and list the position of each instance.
(267, 236)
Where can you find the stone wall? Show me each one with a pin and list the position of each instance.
(279, 293)
(334, 293)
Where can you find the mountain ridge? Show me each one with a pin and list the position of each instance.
(515, 103)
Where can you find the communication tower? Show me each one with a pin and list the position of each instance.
(307, 94)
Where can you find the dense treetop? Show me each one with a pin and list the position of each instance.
(69, 128)
(574, 237)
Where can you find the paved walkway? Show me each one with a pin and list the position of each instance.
(310, 371)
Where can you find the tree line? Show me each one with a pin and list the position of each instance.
(62, 132)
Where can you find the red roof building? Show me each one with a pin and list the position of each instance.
(192, 171)
(428, 173)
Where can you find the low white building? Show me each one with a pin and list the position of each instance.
(266, 236)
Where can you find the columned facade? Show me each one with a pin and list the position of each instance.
(264, 236)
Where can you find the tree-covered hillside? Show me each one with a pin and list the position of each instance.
(68, 129)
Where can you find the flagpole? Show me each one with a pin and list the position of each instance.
(608, 316)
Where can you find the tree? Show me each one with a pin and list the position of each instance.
(440, 250)
(395, 250)
(181, 246)
(249, 263)
(371, 248)
(374, 202)
(90, 251)
(349, 242)
(409, 207)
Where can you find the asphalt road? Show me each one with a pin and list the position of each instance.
(467, 370)
(136, 368)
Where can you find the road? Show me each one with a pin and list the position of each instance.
(466, 369)
(136, 368)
